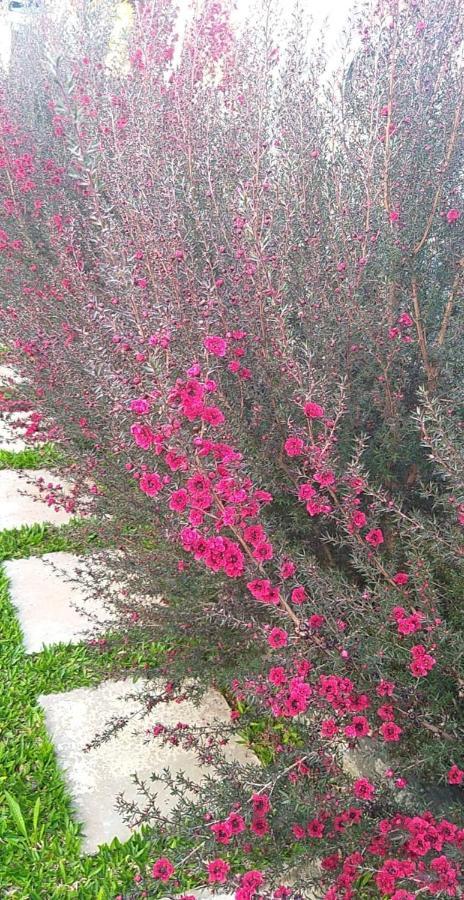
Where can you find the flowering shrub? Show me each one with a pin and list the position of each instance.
(232, 278)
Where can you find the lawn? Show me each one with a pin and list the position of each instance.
(39, 841)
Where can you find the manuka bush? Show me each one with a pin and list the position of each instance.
(233, 277)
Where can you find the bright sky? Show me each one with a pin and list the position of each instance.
(334, 10)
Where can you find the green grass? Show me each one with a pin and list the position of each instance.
(31, 457)
(39, 841)
(35, 540)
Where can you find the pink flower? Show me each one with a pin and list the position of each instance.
(455, 775)
(242, 894)
(261, 804)
(385, 882)
(215, 345)
(162, 869)
(313, 508)
(324, 478)
(299, 832)
(315, 828)
(329, 728)
(263, 551)
(262, 590)
(287, 569)
(252, 880)
(212, 415)
(405, 320)
(175, 461)
(222, 832)
(140, 406)
(259, 826)
(306, 491)
(400, 578)
(316, 621)
(358, 519)
(178, 500)
(234, 562)
(218, 870)
(422, 662)
(329, 863)
(298, 595)
(363, 789)
(143, 435)
(277, 675)
(150, 483)
(390, 731)
(254, 534)
(453, 215)
(386, 712)
(313, 410)
(237, 823)
(374, 537)
(294, 446)
(400, 783)
(409, 624)
(394, 215)
(385, 688)
(263, 496)
(277, 638)
(359, 727)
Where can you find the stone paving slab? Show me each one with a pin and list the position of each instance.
(51, 606)
(202, 894)
(97, 777)
(20, 501)
(11, 436)
(9, 375)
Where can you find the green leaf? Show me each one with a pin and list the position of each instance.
(16, 814)
(35, 815)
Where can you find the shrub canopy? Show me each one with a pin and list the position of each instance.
(233, 276)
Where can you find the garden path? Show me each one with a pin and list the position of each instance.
(53, 607)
